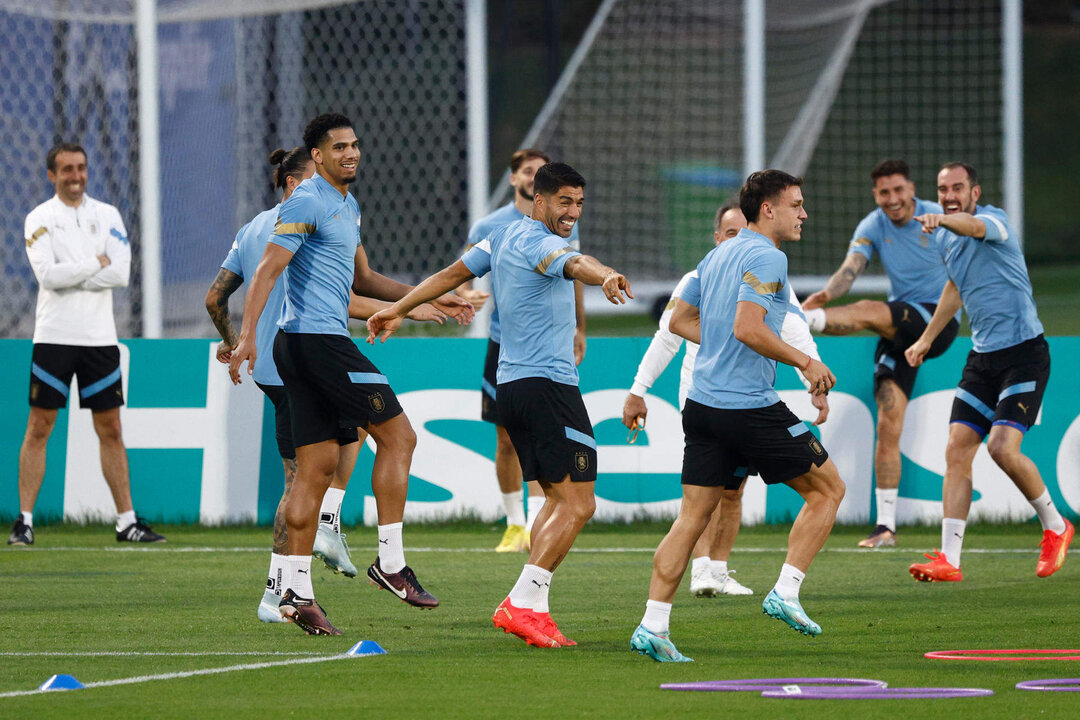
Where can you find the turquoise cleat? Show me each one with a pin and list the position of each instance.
(657, 646)
(331, 548)
(791, 612)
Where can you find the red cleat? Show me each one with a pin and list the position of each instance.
(937, 570)
(1054, 549)
(523, 623)
(548, 627)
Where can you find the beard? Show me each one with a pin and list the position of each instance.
(525, 194)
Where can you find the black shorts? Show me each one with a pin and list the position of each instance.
(1003, 387)
(909, 319)
(97, 368)
(489, 408)
(283, 422)
(550, 429)
(331, 386)
(724, 446)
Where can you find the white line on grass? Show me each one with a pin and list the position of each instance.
(118, 653)
(487, 550)
(191, 673)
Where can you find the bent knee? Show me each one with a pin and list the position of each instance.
(1002, 453)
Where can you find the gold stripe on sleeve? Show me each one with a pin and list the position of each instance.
(293, 228)
(861, 241)
(759, 287)
(546, 262)
(670, 304)
(35, 235)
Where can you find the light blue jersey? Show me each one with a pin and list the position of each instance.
(993, 281)
(727, 373)
(526, 262)
(322, 230)
(243, 258)
(485, 226)
(916, 273)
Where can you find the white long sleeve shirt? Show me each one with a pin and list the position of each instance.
(665, 344)
(74, 304)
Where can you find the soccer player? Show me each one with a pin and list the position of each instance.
(523, 166)
(733, 419)
(539, 402)
(709, 573)
(1002, 385)
(331, 385)
(291, 168)
(916, 277)
(79, 251)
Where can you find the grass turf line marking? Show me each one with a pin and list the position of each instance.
(125, 653)
(189, 673)
(487, 550)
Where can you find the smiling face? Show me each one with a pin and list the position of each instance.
(730, 224)
(895, 195)
(560, 210)
(69, 178)
(522, 178)
(338, 156)
(955, 192)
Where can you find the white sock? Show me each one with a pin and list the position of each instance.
(125, 520)
(330, 512)
(815, 319)
(514, 503)
(541, 605)
(276, 576)
(1048, 514)
(886, 507)
(698, 563)
(790, 580)
(535, 503)
(657, 617)
(952, 539)
(28, 519)
(530, 583)
(391, 551)
(298, 575)
(719, 567)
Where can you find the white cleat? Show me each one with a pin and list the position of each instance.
(331, 548)
(730, 586)
(705, 583)
(268, 608)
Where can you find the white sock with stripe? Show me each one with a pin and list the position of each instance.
(330, 510)
(1048, 514)
(298, 575)
(526, 591)
(391, 549)
(952, 539)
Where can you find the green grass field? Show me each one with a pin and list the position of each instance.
(77, 603)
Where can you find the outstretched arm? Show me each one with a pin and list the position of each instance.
(960, 223)
(217, 305)
(591, 271)
(361, 308)
(840, 282)
(948, 305)
(383, 323)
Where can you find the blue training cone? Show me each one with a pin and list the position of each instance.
(365, 648)
(61, 682)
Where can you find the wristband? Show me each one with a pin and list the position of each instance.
(807, 365)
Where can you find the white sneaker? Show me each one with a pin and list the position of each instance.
(731, 586)
(268, 608)
(704, 583)
(331, 548)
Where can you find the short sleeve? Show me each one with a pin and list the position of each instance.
(997, 226)
(232, 260)
(297, 219)
(862, 241)
(550, 256)
(763, 277)
(478, 258)
(691, 292)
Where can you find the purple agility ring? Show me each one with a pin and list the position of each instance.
(904, 693)
(1059, 685)
(772, 684)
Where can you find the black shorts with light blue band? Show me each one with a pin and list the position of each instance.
(331, 386)
(279, 398)
(909, 319)
(550, 429)
(1003, 387)
(97, 369)
(723, 446)
(489, 408)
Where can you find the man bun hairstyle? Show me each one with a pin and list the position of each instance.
(289, 164)
(526, 154)
(50, 159)
(967, 168)
(763, 186)
(318, 128)
(552, 176)
(890, 166)
(732, 203)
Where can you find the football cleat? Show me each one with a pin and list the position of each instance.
(791, 612)
(308, 615)
(1052, 555)
(658, 646)
(881, 536)
(515, 539)
(730, 586)
(523, 623)
(22, 534)
(937, 570)
(269, 608)
(704, 582)
(547, 626)
(138, 532)
(403, 584)
(331, 548)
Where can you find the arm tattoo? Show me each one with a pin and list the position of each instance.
(842, 279)
(224, 285)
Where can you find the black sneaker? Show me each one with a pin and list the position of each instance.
(403, 584)
(22, 534)
(308, 615)
(138, 532)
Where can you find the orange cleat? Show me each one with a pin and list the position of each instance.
(937, 570)
(547, 625)
(523, 623)
(1054, 549)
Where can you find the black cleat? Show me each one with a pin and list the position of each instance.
(403, 584)
(307, 614)
(22, 534)
(138, 532)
